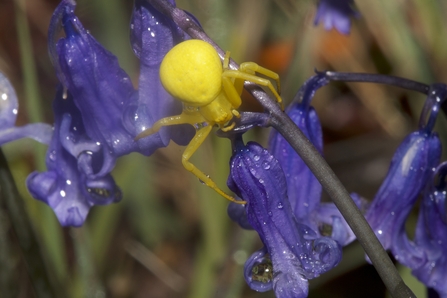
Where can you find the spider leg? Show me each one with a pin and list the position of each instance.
(252, 68)
(173, 120)
(192, 147)
(226, 61)
(244, 76)
(232, 94)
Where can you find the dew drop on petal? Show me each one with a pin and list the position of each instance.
(266, 165)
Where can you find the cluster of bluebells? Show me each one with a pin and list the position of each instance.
(283, 200)
(98, 113)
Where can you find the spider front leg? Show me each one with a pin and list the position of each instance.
(247, 72)
(192, 147)
(253, 68)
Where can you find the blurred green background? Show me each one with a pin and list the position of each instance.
(170, 235)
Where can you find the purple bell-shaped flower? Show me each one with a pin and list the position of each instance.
(336, 14)
(303, 188)
(152, 35)
(293, 252)
(412, 166)
(64, 187)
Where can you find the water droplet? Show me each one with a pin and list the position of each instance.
(53, 155)
(263, 272)
(256, 157)
(280, 205)
(266, 165)
(270, 213)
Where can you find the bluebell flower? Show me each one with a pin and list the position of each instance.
(66, 189)
(293, 251)
(303, 188)
(112, 111)
(411, 167)
(335, 14)
(152, 35)
(431, 235)
(9, 108)
(99, 87)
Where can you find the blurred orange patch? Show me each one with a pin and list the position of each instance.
(277, 56)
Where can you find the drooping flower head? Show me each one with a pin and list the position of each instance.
(336, 14)
(303, 188)
(64, 187)
(99, 113)
(292, 250)
(411, 167)
(99, 87)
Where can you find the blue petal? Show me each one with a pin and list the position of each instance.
(64, 187)
(8, 103)
(296, 251)
(303, 188)
(101, 90)
(431, 236)
(336, 14)
(411, 167)
(8, 113)
(327, 219)
(258, 271)
(152, 36)
(236, 212)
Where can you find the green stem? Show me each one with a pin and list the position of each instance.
(53, 233)
(9, 196)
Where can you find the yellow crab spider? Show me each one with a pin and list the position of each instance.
(192, 72)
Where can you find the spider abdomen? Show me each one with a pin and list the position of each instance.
(192, 72)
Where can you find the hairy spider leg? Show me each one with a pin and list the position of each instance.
(192, 147)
